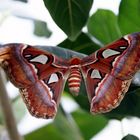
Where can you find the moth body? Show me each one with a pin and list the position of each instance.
(74, 80)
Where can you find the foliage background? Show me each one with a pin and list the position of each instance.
(100, 28)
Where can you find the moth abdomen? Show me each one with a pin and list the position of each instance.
(74, 80)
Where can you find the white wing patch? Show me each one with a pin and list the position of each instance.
(126, 37)
(95, 74)
(107, 53)
(41, 59)
(53, 78)
(28, 55)
(122, 47)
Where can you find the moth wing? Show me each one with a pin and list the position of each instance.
(42, 98)
(38, 74)
(52, 75)
(105, 93)
(109, 71)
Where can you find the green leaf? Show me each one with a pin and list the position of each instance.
(129, 14)
(89, 124)
(62, 129)
(69, 15)
(67, 54)
(69, 128)
(82, 44)
(130, 137)
(47, 132)
(103, 26)
(82, 100)
(41, 29)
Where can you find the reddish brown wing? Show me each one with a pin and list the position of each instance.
(39, 75)
(109, 71)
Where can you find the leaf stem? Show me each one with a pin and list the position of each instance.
(7, 110)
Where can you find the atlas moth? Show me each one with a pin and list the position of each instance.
(41, 76)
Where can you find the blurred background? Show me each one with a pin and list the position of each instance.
(30, 22)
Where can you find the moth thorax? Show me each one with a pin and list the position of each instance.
(74, 81)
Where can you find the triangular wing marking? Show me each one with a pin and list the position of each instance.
(109, 52)
(40, 59)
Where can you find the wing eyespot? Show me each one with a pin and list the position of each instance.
(42, 59)
(95, 74)
(53, 78)
(109, 52)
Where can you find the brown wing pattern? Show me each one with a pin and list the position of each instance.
(39, 75)
(109, 71)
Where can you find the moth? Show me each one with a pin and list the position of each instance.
(41, 76)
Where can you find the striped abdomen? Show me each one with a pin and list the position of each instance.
(74, 80)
